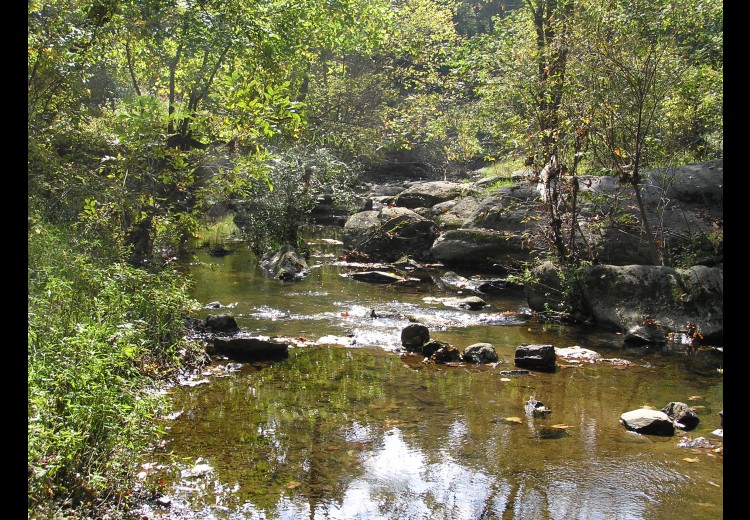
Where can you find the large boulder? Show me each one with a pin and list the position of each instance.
(427, 194)
(509, 208)
(649, 302)
(483, 248)
(390, 233)
(685, 202)
(452, 214)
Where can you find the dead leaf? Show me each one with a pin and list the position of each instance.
(516, 420)
(505, 379)
(561, 426)
(695, 398)
(688, 459)
(293, 484)
(714, 484)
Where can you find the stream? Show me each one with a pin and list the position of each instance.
(346, 428)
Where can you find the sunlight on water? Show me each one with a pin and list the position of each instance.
(346, 429)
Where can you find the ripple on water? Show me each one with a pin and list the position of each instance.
(611, 488)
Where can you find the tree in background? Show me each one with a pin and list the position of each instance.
(588, 86)
(642, 64)
(188, 75)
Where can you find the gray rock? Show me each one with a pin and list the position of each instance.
(249, 348)
(427, 194)
(682, 415)
(648, 422)
(222, 323)
(479, 247)
(480, 353)
(285, 264)
(538, 357)
(376, 277)
(414, 336)
(389, 234)
(648, 302)
(577, 352)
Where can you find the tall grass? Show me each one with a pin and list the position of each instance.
(101, 336)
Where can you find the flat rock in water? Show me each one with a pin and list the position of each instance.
(648, 422)
(250, 348)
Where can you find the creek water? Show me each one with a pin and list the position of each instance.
(347, 428)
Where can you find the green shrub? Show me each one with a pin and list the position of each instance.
(101, 337)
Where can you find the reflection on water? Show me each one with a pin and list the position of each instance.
(356, 432)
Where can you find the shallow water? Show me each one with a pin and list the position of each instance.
(351, 430)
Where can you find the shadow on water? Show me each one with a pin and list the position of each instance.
(351, 430)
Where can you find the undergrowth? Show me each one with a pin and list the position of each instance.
(102, 336)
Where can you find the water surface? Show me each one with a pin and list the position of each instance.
(350, 429)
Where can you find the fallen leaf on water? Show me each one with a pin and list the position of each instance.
(392, 421)
(561, 426)
(293, 484)
(688, 459)
(506, 379)
(698, 407)
(514, 420)
(351, 453)
(714, 484)
(695, 398)
(333, 447)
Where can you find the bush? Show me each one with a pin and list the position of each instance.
(101, 337)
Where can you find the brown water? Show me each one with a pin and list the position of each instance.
(357, 432)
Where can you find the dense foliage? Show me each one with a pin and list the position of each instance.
(144, 115)
(101, 336)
